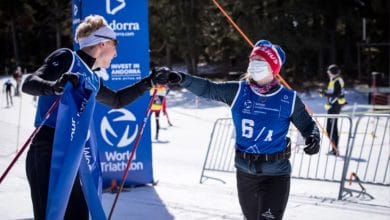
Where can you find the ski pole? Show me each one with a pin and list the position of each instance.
(20, 114)
(47, 115)
(137, 140)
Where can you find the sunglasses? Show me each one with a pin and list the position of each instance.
(115, 41)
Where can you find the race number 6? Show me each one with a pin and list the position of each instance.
(247, 128)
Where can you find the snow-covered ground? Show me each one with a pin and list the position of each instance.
(177, 163)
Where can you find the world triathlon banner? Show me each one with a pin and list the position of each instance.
(116, 129)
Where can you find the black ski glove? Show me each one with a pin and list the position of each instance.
(159, 75)
(165, 76)
(174, 78)
(312, 145)
(59, 84)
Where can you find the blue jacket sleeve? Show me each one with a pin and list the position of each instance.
(220, 91)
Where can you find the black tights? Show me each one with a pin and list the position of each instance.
(331, 124)
(262, 197)
(38, 173)
(157, 116)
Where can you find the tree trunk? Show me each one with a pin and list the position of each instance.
(192, 38)
(58, 35)
(190, 31)
(187, 61)
(168, 59)
(320, 61)
(332, 47)
(15, 42)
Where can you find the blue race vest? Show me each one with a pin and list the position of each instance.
(72, 127)
(262, 121)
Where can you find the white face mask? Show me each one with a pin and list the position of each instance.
(258, 69)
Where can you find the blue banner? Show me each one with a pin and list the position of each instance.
(74, 117)
(116, 129)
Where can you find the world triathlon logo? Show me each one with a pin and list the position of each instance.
(113, 6)
(248, 104)
(115, 128)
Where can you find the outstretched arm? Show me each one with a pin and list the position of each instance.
(219, 91)
(125, 96)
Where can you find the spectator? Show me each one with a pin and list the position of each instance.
(335, 101)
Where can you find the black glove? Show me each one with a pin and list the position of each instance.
(59, 84)
(159, 75)
(312, 145)
(164, 76)
(174, 78)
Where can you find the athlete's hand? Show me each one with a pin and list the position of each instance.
(174, 78)
(312, 145)
(165, 76)
(59, 84)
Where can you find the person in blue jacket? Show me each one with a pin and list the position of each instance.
(262, 110)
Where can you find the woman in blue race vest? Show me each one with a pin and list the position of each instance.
(262, 111)
(97, 48)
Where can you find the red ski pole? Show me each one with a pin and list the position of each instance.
(137, 140)
(47, 115)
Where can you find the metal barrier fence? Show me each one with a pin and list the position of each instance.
(363, 151)
(220, 153)
(368, 160)
(322, 166)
